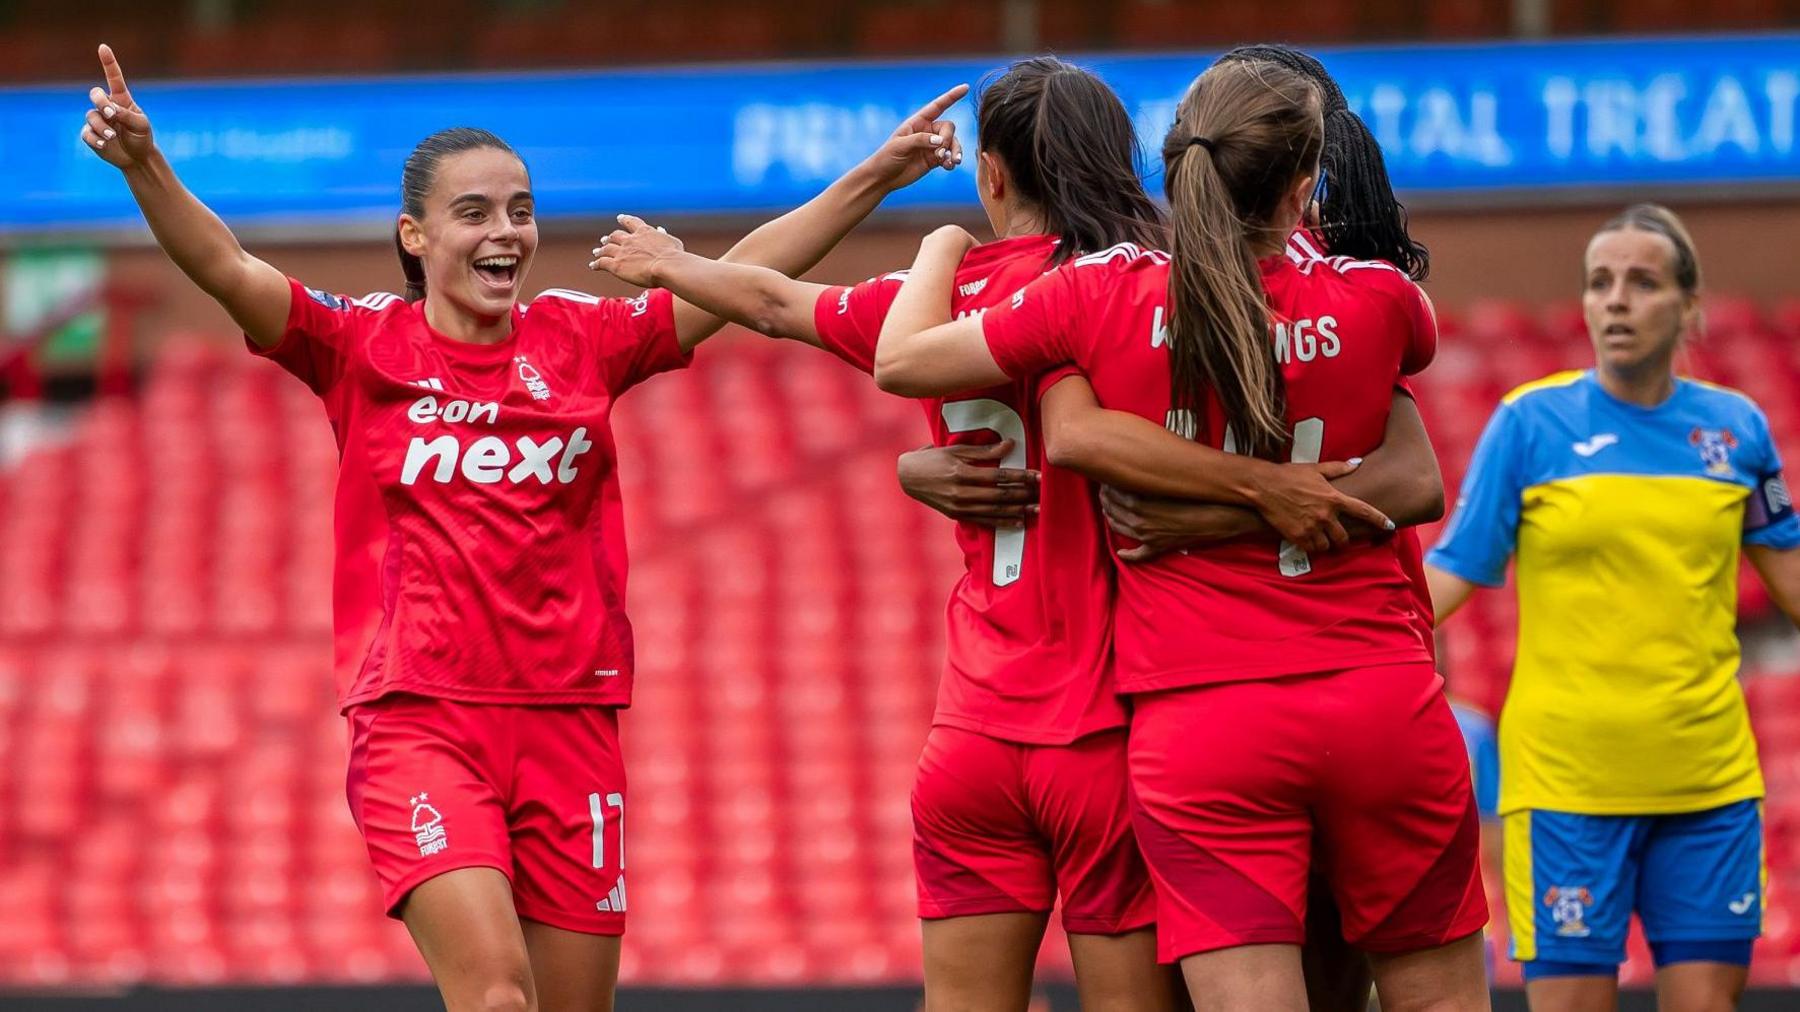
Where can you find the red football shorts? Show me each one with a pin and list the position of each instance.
(1239, 787)
(1000, 827)
(535, 791)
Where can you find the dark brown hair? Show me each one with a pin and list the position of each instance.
(1070, 147)
(1659, 220)
(1244, 135)
(1359, 216)
(416, 178)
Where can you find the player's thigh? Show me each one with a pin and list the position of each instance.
(1700, 986)
(1398, 831)
(567, 819)
(981, 962)
(977, 848)
(573, 971)
(1445, 978)
(1119, 973)
(1246, 978)
(464, 925)
(1337, 973)
(1571, 885)
(1079, 798)
(1225, 829)
(421, 791)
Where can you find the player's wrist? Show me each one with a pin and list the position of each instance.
(149, 168)
(1254, 482)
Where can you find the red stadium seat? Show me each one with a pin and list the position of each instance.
(171, 764)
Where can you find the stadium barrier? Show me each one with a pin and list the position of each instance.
(1467, 123)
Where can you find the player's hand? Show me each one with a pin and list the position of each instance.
(922, 142)
(633, 251)
(116, 129)
(1160, 525)
(1299, 501)
(957, 482)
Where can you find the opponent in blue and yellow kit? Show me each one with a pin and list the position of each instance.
(1629, 773)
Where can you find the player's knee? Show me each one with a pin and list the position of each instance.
(506, 995)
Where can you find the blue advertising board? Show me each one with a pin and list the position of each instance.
(1453, 120)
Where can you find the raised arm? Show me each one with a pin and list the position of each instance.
(254, 293)
(795, 242)
(765, 300)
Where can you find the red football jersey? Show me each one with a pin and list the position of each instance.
(479, 530)
(1246, 609)
(1030, 621)
(1304, 245)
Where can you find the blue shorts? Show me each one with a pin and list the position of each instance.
(1573, 882)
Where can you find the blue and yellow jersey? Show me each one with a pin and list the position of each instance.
(1627, 523)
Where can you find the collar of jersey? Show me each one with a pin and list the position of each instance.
(469, 351)
(1589, 377)
(1006, 249)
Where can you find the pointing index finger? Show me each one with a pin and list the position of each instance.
(935, 108)
(115, 77)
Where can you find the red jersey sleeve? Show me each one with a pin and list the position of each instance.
(1052, 378)
(321, 333)
(848, 318)
(1031, 331)
(636, 338)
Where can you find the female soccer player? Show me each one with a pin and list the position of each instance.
(1628, 775)
(482, 650)
(1279, 696)
(1354, 214)
(1021, 785)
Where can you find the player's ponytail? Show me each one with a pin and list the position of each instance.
(1069, 146)
(1244, 135)
(1359, 216)
(416, 179)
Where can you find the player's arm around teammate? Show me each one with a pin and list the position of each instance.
(1401, 478)
(1629, 777)
(1297, 500)
(1241, 161)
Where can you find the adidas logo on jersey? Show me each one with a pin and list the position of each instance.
(614, 903)
(489, 460)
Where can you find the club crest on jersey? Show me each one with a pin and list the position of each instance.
(1715, 446)
(533, 380)
(427, 826)
(326, 299)
(1569, 906)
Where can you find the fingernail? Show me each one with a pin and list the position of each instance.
(108, 112)
(935, 139)
(620, 219)
(110, 134)
(595, 251)
(1354, 462)
(1390, 525)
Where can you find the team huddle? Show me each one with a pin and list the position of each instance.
(1190, 692)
